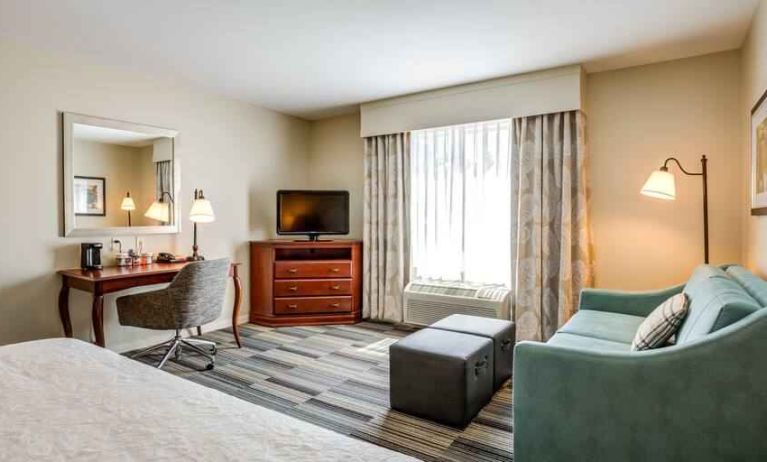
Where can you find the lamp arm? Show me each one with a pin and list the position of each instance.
(166, 193)
(665, 166)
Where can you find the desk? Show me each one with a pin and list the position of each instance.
(116, 278)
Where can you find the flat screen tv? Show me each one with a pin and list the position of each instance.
(312, 213)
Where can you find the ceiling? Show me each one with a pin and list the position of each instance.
(314, 59)
(112, 136)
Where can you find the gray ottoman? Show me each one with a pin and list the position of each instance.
(440, 375)
(501, 332)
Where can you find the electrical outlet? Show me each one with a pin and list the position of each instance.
(139, 244)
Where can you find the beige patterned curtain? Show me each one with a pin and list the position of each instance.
(386, 247)
(550, 238)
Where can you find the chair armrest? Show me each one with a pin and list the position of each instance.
(706, 400)
(633, 303)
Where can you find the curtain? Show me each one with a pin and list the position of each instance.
(551, 235)
(386, 247)
(163, 178)
(461, 203)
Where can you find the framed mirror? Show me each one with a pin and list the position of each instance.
(120, 178)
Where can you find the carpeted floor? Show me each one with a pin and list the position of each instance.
(337, 377)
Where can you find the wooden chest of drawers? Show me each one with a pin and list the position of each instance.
(305, 283)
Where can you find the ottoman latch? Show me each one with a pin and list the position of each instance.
(482, 364)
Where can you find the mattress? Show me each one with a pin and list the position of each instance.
(63, 399)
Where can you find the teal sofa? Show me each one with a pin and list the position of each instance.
(583, 395)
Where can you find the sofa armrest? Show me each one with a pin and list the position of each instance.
(706, 400)
(633, 303)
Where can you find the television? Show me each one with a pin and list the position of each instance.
(312, 213)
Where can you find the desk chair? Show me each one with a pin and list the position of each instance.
(193, 298)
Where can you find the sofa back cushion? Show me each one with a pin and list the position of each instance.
(754, 285)
(716, 301)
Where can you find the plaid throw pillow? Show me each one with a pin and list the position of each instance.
(661, 325)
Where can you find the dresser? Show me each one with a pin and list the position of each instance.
(295, 283)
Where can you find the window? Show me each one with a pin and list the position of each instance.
(461, 203)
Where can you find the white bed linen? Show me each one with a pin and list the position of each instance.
(63, 399)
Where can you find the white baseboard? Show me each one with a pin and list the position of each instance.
(152, 339)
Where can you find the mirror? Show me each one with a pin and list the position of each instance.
(120, 178)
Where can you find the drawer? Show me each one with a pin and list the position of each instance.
(299, 287)
(312, 269)
(304, 305)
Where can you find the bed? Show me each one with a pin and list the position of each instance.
(64, 399)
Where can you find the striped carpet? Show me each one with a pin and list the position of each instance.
(337, 377)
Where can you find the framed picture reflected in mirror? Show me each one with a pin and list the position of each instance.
(90, 196)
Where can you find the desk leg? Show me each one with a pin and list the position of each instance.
(97, 316)
(237, 300)
(64, 309)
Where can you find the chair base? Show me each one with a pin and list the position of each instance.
(175, 346)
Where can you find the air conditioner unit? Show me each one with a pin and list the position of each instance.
(427, 302)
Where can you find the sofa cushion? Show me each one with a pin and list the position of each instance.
(615, 327)
(702, 272)
(716, 301)
(754, 285)
(661, 324)
(587, 343)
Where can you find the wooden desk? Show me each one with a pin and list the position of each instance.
(115, 278)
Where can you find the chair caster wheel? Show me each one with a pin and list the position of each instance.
(209, 367)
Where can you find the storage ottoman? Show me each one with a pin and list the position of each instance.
(501, 332)
(441, 375)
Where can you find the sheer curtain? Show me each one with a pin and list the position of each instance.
(461, 203)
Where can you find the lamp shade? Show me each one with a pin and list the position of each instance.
(660, 185)
(128, 204)
(202, 211)
(159, 211)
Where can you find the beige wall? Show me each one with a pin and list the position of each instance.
(145, 181)
(754, 83)
(239, 154)
(636, 118)
(336, 162)
(122, 168)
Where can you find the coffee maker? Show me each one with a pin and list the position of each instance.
(90, 255)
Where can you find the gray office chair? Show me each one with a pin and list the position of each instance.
(193, 298)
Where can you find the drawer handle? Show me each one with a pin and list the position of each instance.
(334, 270)
(335, 305)
(292, 270)
(293, 288)
(292, 306)
(335, 287)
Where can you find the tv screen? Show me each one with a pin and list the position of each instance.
(312, 212)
